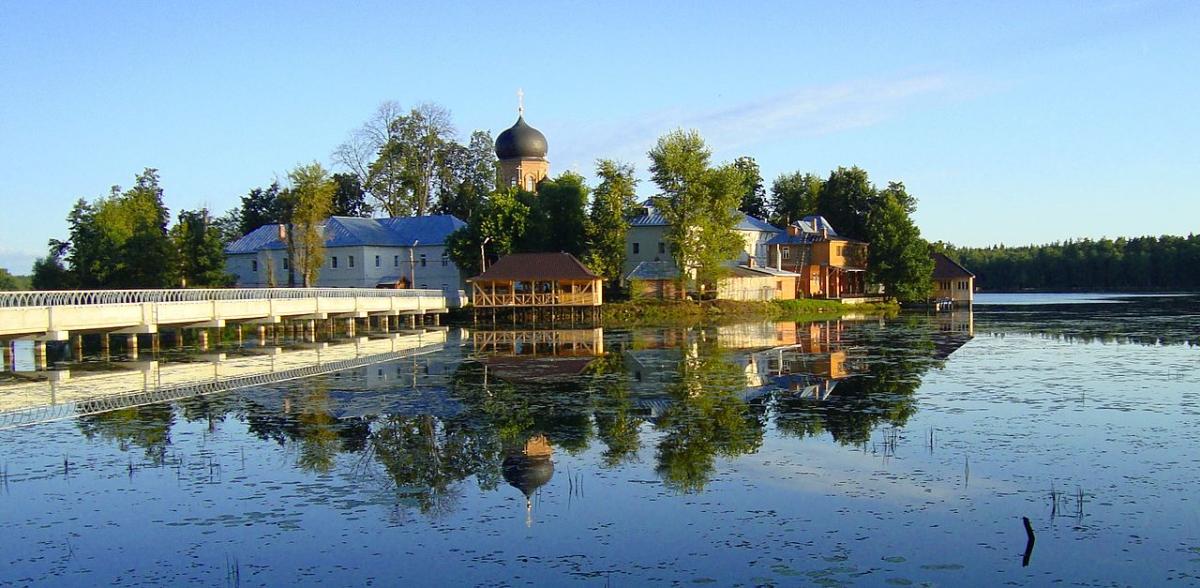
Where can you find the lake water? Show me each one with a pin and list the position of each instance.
(900, 451)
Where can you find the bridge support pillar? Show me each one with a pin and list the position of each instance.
(350, 327)
(131, 346)
(310, 332)
(39, 355)
(77, 348)
(155, 343)
(412, 321)
(262, 335)
(239, 335)
(105, 347)
(437, 319)
(6, 355)
(202, 339)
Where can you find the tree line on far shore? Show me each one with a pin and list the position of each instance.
(406, 163)
(1141, 263)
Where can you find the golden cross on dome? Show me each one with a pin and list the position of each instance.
(520, 102)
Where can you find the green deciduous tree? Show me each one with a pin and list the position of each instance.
(120, 241)
(309, 200)
(699, 203)
(402, 159)
(471, 170)
(261, 206)
(557, 217)
(754, 198)
(200, 251)
(612, 203)
(845, 200)
(50, 272)
(898, 257)
(794, 196)
(349, 199)
(491, 233)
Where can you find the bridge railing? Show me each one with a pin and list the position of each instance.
(88, 297)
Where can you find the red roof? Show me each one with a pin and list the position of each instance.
(945, 268)
(525, 267)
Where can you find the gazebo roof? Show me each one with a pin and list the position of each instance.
(525, 267)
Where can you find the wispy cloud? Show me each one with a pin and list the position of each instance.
(808, 111)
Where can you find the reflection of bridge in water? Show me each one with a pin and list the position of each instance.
(65, 395)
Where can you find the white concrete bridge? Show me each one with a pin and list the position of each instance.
(57, 316)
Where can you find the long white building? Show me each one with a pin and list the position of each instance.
(407, 252)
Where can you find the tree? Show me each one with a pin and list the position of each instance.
(754, 198)
(402, 160)
(493, 232)
(309, 200)
(699, 204)
(120, 241)
(50, 273)
(261, 206)
(612, 204)
(200, 249)
(898, 257)
(229, 225)
(557, 219)
(348, 197)
(794, 196)
(7, 280)
(845, 200)
(472, 170)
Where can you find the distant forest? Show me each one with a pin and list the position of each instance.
(1164, 263)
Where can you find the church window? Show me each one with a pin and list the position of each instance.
(637, 248)
(333, 262)
(351, 261)
(376, 261)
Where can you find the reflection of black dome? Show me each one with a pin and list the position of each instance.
(526, 473)
(520, 140)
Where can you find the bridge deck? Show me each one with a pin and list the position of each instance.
(54, 315)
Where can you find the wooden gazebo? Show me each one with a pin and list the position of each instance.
(537, 282)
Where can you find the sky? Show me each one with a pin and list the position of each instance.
(1011, 122)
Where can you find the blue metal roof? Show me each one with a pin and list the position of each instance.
(749, 223)
(817, 222)
(653, 218)
(349, 231)
(801, 239)
(261, 238)
(429, 230)
(653, 270)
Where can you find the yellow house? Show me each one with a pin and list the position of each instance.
(830, 266)
(952, 282)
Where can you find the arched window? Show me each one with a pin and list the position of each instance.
(529, 183)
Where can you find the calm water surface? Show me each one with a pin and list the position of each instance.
(902, 451)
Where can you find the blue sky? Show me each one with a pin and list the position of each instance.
(1011, 122)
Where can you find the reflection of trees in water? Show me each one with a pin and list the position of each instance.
(148, 427)
(308, 423)
(707, 417)
(618, 425)
(426, 457)
(883, 393)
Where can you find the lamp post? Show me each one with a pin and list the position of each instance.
(482, 257)
(412, 266)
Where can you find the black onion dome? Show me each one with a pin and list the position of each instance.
(526, 473)
(520, 140)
